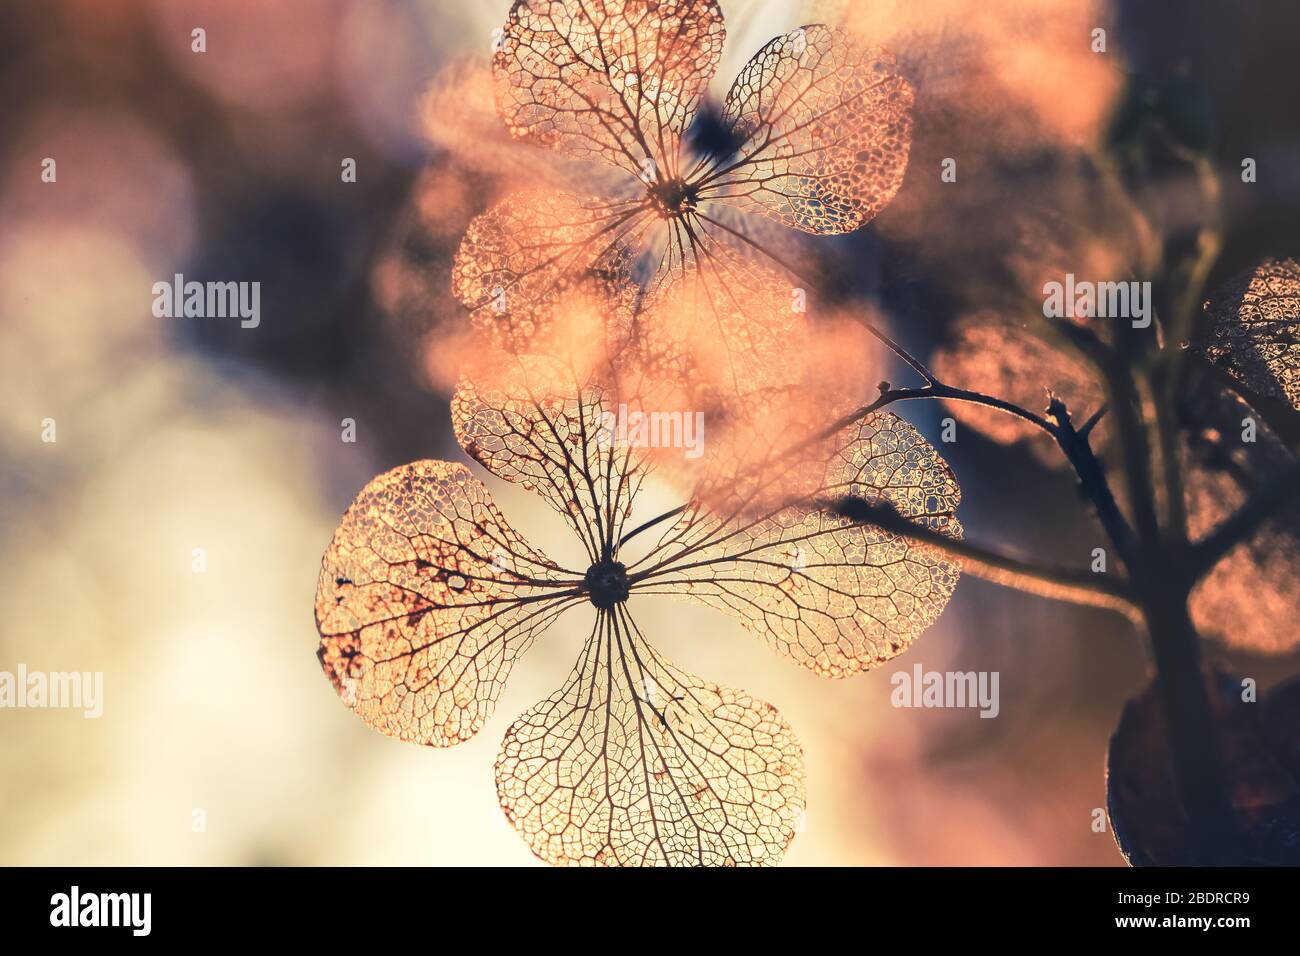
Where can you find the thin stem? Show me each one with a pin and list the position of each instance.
(1163, 397)
(1191, 276)
(1092, 421)
(1196, 271)
(912, 361)
(908, 358)
(649, 524)
(935, 390)
(1092, 479)
(1278, 414)
(1067, 584)
(1136, 449)
(1194, 745)
(1284, 488)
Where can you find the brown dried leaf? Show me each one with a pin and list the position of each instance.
(827, 129)
(836, 596)
(635, 762)
(1261, 756)
(616, 80)
(1254, 330)
(426, 598)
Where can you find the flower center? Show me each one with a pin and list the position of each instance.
(714, 136)
(672, 197)
(606, 584)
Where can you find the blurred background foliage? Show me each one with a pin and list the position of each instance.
(176, 434)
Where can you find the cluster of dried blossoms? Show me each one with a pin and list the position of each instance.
(656, 297)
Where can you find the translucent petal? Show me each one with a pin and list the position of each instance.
(615, 80)
(720, 327)
(538, 256)
(635, 762)
(827, 128)
(426, 598)
(836, 596)
(543, 423)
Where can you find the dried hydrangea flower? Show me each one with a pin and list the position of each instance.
(814, 135)
(427, 597)
(1254, 330)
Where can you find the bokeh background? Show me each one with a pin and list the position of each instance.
(177, 434)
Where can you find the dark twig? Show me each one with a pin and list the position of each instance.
(649, 524)
(1240, 526)
(1092, 478)
(1092, 421)
(934, 390)
(1034, 577)
(1277, 413)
